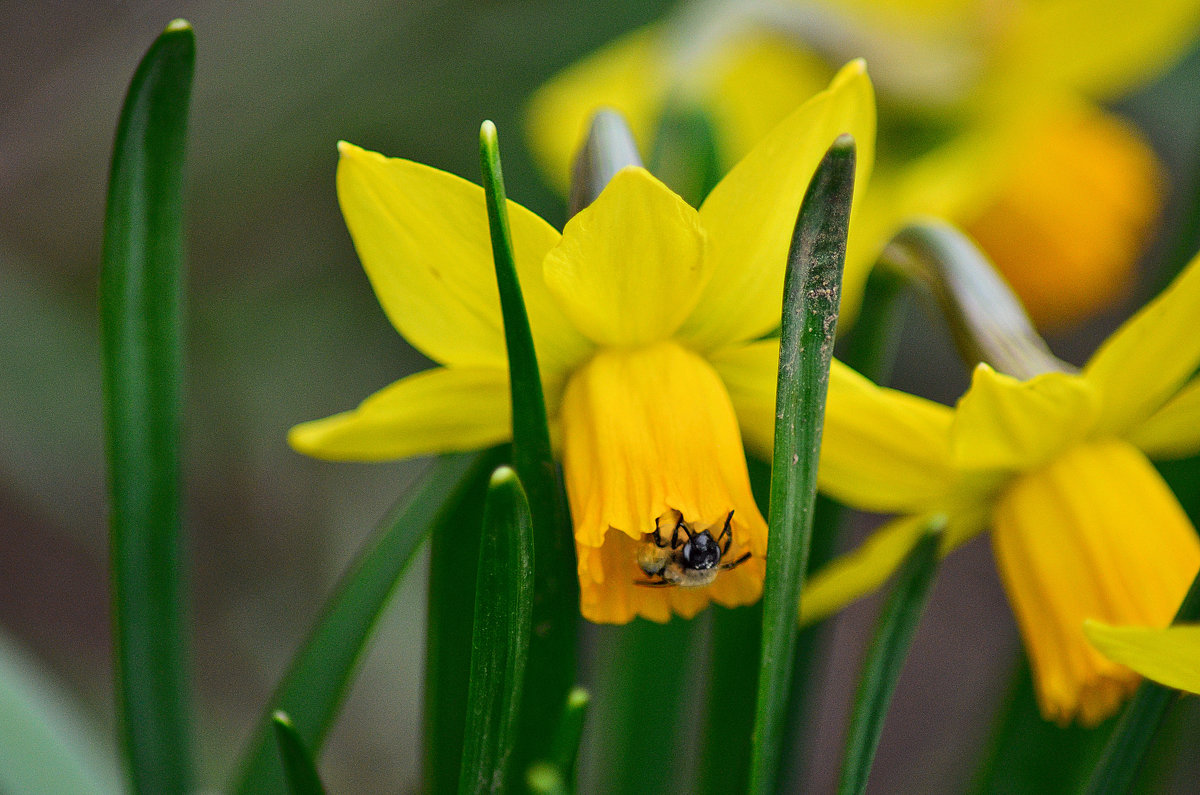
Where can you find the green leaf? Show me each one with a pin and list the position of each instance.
(500, 641)
(1028, 754)
(556, 585)
(47, 744)
(881, 669)
(645, 674)
(812, 287)
(725, 744)
(453, 566)
(870, 347)
(141, 308)
(312, 690)
(298, 766)
(1139, 722)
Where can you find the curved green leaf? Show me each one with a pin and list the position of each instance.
(141, 308)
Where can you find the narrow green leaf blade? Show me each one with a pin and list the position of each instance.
(812, 288)
(870, 347)
(556, 586)
(1139, 722)
(893, 636)
(312, 690)
(141, 308)
(729, 720)
(1025, 753)
(298, 766)
(453, 551)
(500, 643)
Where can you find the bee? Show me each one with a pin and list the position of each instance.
(691, 561)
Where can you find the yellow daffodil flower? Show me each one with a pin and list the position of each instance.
(1055, 466)
(1169, 656)
(632, 308)
(989, 117)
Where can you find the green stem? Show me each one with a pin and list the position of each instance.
(141, 313)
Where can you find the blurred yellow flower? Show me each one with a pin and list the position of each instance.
(989, 117)
(1170, 656)
(632, 308)
(1055, 466)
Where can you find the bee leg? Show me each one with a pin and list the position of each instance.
(675, 535)
(653, 583)
(726, 534)
(658, 542)
(736, 563)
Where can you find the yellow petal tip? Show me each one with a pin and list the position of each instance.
(177, 26)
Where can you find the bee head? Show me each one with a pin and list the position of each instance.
(701, 552)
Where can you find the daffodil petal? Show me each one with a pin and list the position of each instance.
(630, 265)
(1101, 47)
(422, 235)
(443, 410)
(1170, 656)
(1008, 424)
(861, 572)
(1150, 356)
(1174, 430)
(882, 450)
(625, 75)
(1096, 534)
(751, 213)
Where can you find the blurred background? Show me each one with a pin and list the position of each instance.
(283, 327)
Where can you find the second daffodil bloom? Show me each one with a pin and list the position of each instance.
(1082, 525)
(991, 116)
(632, 308)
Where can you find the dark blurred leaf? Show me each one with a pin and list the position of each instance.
(141, 309)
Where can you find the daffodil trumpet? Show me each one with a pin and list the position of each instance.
(641, 311)
(1056, 464)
